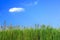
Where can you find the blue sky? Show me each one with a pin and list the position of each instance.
(34, 12)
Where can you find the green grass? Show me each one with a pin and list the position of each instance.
(42, 33)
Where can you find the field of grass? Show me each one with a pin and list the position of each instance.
(38, 33)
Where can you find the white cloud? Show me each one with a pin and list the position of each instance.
(16, 9)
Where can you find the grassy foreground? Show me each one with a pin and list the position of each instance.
(42, 33)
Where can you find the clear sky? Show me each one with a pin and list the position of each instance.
(30, 12)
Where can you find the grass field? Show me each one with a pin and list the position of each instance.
(38, 33)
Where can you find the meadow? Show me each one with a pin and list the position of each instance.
(38, 33)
